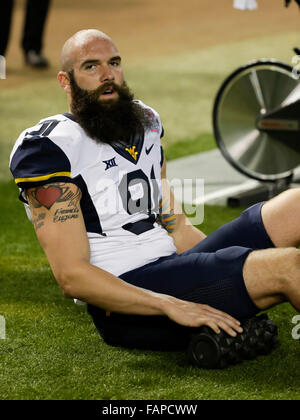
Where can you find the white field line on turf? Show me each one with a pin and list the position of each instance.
(224, 192)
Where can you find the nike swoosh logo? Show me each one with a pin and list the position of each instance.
(149, 149)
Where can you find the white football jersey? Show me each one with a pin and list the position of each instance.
(120, 186)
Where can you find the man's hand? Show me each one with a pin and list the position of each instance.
(192, 314)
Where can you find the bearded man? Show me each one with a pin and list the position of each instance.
(92, 180)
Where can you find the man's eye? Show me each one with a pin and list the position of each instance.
(90, 67)
(115, 63)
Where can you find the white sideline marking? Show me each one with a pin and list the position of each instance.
(226, 192)
(2, 327)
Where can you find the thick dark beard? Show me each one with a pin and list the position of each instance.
(111, 121)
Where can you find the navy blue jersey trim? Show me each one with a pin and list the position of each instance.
(90, 215)
(70, 116)
(38, 156)
(162, 132)
(141, 226)
(133, 148)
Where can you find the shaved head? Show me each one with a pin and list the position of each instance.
(78, 42)
(99, 98)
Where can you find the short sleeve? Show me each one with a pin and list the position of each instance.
(37, 161)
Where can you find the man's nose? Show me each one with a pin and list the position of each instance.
(106, 73)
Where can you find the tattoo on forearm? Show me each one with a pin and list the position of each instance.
(166, 218)
(46, 196)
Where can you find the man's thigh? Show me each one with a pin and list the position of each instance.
(215, 279)
(247, 231)
(211, 278)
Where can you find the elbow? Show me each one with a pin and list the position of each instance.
(67, 292)
(68, 282)
(65, 284)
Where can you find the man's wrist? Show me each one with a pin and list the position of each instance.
(161, 303)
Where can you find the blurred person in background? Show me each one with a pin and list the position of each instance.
(34, 24)
(287, 2)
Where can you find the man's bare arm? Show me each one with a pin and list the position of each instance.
(60, 228)
(173, 219)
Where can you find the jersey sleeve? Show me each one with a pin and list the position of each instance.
(37, 161)
(156, 124)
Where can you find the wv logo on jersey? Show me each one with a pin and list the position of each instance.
(110, 163)
(132, 152)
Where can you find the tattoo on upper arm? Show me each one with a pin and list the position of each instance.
(167, 217)
(44, 197)
(37, 220)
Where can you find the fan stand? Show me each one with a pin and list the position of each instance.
(257, 110)
(264, 191)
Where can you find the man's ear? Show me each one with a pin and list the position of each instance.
(64, 81)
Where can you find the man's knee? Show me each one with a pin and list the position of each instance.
(293, 267)
(271, 274)
(283, 206)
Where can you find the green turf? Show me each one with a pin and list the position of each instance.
(202, 143)
(52, 350)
